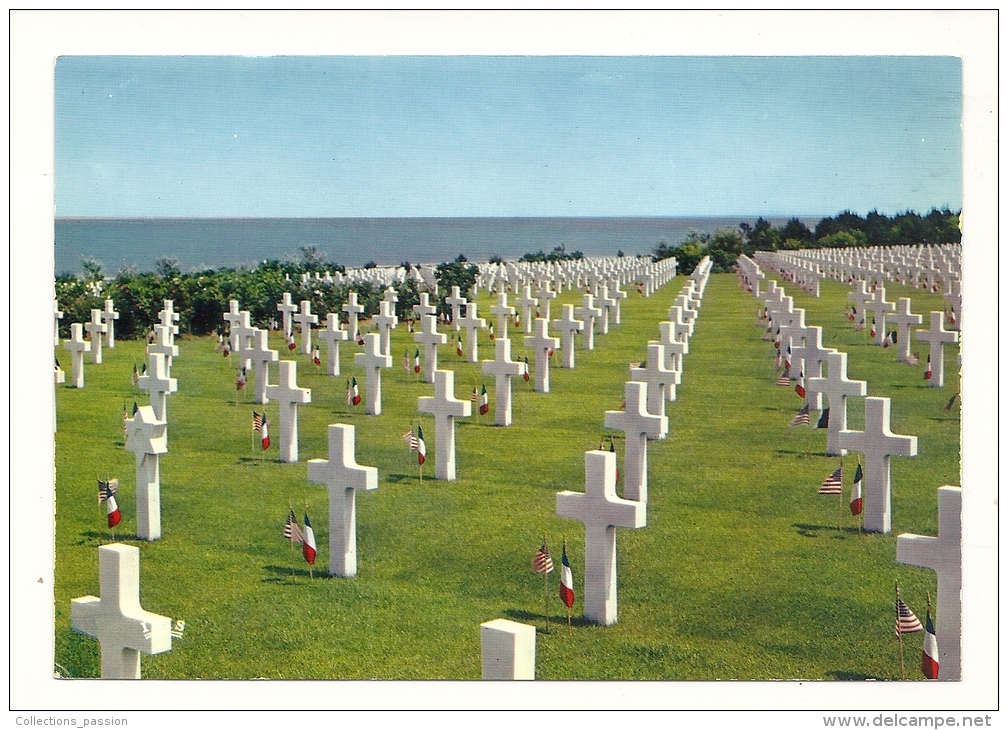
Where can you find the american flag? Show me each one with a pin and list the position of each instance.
(802, 418)
(410, 438)
(541, 561)
(292, 531)
(906, 621)
(833, 484)
(784, 380)
(107, 489)
(474, 395)
(405, 362)
(257, 421)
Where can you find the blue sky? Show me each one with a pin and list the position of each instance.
(505, 136)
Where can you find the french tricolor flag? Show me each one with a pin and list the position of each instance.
(856, 501)
(929, 657)
(567, 583)
(308, 547)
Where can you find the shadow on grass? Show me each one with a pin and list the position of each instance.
(396, 478)
(282, 573)
(793, 452)
(104, 537)
(850, 676)
(255, 460)
(538, 619)
(806, 530)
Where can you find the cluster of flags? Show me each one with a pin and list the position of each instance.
(316, 356)
(908, 623)
(833, 485)
(106, 493)
(260, 424)
(482, 399)
(416, 443)
(136, 373)
(126, 416)
(305, 538)
(241, 380)
(291, 344)
(223, 347)
(352, 393)
(542, 563)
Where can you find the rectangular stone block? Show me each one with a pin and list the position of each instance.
(508, 649)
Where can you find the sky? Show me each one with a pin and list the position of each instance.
(391, 136)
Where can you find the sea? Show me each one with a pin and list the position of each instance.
(202, 243)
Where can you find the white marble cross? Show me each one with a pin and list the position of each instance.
(682, 328)
(661, 381)
(96, 329)
(674, 349)
(445, 408)
(639, 426)
(332, 335)
(123, 629)
(879, 307)
(430, 338)
(168, 317)
(352, 309)
(372, 360)
(77, 346)
(158, 384)
(878, 444)
(391, 297)
(109, 316)
(544, 295)
(455, 301)
(287, 308)
(837, 388)
(234, 317)
(57, 316)
(903, 319)
(306, 319)
(588, 313)
(602, 512)
(470, 323)
(525, 303)
(813, 355)
(344, 477)
(147, 438)
(424, 308)
(261, 357)
(942, 554)
(542, 344)
(503, 313)
(504, 368)
(162, 346)
(936, 337)
(386, 321)
(607, 304)
(568, 327)
(954, 298)
(618, 295)
(287, 393)
(860, 297)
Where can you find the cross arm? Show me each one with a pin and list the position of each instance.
(917, 550)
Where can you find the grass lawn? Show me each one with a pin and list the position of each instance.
(741, 572)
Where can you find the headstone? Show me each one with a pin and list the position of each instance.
(860, 296)
(445, 408)
(504, 368)
(352, 309)
(524, 303)
(77, 346)
(942, 554)
(123, 629)
(261, 357)
(287, 393)
(903, 319)
(879, 307)
(813, 355)
(660, 380)
(147, 438)
(674, 349)
(954, 298)
(287, 308)
(306, 319)
(503, 313)
(386, 321)
(430, 338)
(455, 301)
(372, 360)
(109, 316)
(233, 317)
(618, 295)
(162, 346)
(878, 444)
(542, 345)
(507, 649)
(332, 335)
(588, 313)
(344, 477)
(158, 384)
(568, 327)
(96, 329)
(544, 295)
(602, 512)
(470, 323)
(57, 316)
(168, 317)
(242, 333)
(936, 337)
(424, 308)
(639, 426)
(837, 388)
(608, 305)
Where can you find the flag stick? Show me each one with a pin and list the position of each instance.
(546, 588)
(899, 635)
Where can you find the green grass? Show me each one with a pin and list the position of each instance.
(741, 572)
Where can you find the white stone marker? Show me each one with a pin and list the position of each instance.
(262, 356)
(954, 298)
(158, 384)
(234, 317)
(507, 649)
(568, 327)
(287, 308)
(878, 444)
(682, 328)
(424, 308)
(936, 337)
(344, 477)
(96, 329)
(287, 393)
(77, 346)
(618, 296)
(430, 338)
(588, 313)
(602, 512)
(674, 349)
(525, 303)
(147, 438)
(162, 346)
(542, 344)
(445, 408)
(607, 304)
(372, 360)
(386, 321)
(332, 335)
(942, 554)
(455, 301)
(352, 309)
(503, 313)
(661, 381)
(242, 331)
(813, 354)
(879, 307)
(545, 295)
(860, 297)
(639, 426)
(57, 316)
(837, 388)
(306, 319)
(470, 323)
(903, 319)
(123, 629)
(504, 368)
(168, 317)
(109, 316)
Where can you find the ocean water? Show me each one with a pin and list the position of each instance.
(199, 243)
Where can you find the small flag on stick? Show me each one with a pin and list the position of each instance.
(833, 484)
(856, 500)
(951, 401)
(929, 656)
(106, 493)
(823, 419)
